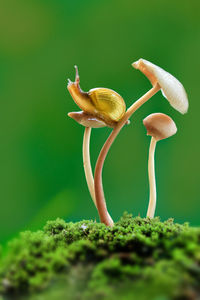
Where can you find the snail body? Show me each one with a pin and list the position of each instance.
(103, 103)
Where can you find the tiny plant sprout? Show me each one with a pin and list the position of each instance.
(159, 126)
(100, 107)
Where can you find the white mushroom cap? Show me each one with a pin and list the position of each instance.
(159, 126)
(86, 120)
(171, 87)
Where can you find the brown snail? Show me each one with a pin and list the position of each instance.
(102, 103)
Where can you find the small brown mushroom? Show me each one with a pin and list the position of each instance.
(87, 120)
(159, 126)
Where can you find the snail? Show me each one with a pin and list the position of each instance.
(102, 103)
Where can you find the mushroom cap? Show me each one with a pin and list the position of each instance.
(171, 88)
(86, 120)
(160, 126)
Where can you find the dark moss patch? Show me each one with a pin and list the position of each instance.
(136, 259)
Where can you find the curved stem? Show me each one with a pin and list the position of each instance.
(152, 179)
(88, 168)
(99, 193)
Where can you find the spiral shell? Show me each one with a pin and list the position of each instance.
(108, 104)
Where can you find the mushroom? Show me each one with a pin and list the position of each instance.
(88, 122)
(100, 107)
(171, 88)
(159, 126)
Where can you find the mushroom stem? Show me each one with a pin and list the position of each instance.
(152, 179)
(99, 193)
(87, 163)
(88, 169)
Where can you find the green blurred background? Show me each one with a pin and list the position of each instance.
(41, 172)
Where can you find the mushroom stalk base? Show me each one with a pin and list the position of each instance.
(88, 169)
(152, 179)
(99, 193)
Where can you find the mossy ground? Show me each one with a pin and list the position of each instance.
(136, 259)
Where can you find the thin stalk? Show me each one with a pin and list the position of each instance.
(88, 169)
(99, 193)
(87, 163)
(152, 179)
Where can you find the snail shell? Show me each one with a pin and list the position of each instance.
(108, 104)
(103, 103)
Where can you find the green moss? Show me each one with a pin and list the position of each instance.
(136, 259)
